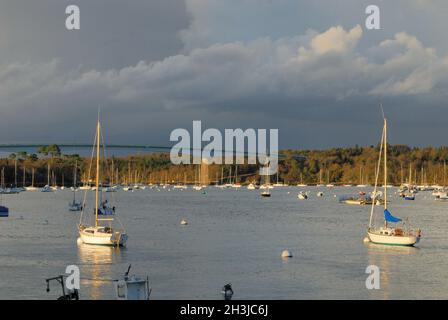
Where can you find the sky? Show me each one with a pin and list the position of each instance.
(309, 68)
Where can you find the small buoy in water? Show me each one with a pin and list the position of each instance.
(366, 239)
(183, 222)
(227, 291)
(286, 254)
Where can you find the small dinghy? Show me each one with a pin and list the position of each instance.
(132, 287)
(74, 206)
(227, 291)
(266, 194)
(302, 195)
(409, 197)
(46, 188)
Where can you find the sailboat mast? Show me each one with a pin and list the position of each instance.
(236, 174)
(112, 171)
(230, 175)
(444, 173)
(377, 174)
(74, 174)
(385, 163)
(97, 182)
(74, 181)
(24, 177)
(401, 172)
(15, 173)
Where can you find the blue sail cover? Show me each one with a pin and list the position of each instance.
(389, 217)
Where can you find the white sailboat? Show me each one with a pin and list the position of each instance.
(230, 183)
(251, 186)
(361, 178)
(128, 186)
(197, 185)
(278, 184)
(179, 185)
(320, 184)
(75, 205)
(47, 187)
(267, 184)
(301, 184)
(236, 184)
(103, 231)
(399, 234)
(32, 187)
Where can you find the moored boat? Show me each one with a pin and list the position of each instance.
(399, 234)
(102, 232)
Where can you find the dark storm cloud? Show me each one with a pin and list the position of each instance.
(317, 76)
(113, 34)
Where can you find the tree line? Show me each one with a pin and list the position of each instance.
(351, 165)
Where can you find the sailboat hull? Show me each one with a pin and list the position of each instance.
(74, 208)
(31, 189)
(93, 237)
(359, 202)
(4, 211)
(393, 240)
(265, 195)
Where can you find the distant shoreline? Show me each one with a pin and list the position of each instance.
(337, 166)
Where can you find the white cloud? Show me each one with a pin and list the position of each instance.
(337, 40)
(317, 65)
(278, 77)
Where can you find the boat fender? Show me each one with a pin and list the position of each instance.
(121, 289)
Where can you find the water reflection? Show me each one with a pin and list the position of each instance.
(96, 264)
(387, 258)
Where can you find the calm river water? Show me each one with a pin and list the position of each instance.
(232, 236)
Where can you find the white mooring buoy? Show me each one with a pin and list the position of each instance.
(183, 222)
(286, 254)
